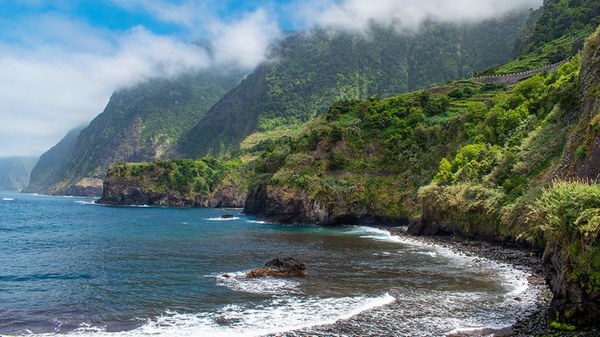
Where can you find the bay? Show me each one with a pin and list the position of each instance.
(69, 266)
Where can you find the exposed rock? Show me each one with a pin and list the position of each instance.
(571, 301)
(227, 216)
(121, 191)
(228, 196)
(419, 226)
(284, 267)
(290, 205)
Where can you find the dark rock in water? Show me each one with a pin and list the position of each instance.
(287, 263)
(285, 267)
(225, 321)
(227, 216)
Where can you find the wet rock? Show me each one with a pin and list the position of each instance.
(227, 216)
(284, 267)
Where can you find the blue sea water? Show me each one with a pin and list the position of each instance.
(72, 267)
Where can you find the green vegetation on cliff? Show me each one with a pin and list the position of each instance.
(307, 72)
(553, 33)
(185, 177)
(205, 182)
(512, 184)
(557, 19)
(140, 123)
(373, 153)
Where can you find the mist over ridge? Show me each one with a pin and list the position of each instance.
(58, 67)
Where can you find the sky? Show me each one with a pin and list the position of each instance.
(60, 60)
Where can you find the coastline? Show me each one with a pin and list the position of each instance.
(533, 323)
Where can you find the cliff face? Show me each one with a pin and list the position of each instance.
(558, 207)
(577, 292)
(309, 71)
(175, 183)
(141, 123)
(14, 172)
(128, 192)
(581, 158)
(292, 205)
(48, 170)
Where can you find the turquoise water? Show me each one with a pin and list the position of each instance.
(69, 266)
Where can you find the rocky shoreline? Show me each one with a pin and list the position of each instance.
(535, 323)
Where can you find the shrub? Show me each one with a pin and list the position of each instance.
(456, 93)
(569, 215)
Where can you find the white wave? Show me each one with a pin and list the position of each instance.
(375, 234)
(513, 280)
(8, 199)
(222, 219)
(471, 330)
(268, 317)
(257, 285)
(432, 254)
(86, 202)
(257, 221)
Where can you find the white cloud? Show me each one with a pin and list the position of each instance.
(240, 40)
(62, 70)
(244, 42)
(47, 90)
(359, 15)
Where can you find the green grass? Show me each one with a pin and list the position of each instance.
(554, 325)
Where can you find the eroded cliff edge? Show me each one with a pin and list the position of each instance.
(175, 183)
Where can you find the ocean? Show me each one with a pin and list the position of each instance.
(70, 267)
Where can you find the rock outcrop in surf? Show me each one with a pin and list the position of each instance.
(280, 267)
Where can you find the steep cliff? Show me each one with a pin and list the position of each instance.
(539, 186)
(139, 124)
(573, 247)
(365, 159)
(581, 158)
(198, 114)
(50, 167)
(15, 171)
(309, 71)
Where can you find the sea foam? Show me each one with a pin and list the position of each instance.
(513, 280)
(273, 316)
(237, 281)
(223, 219)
